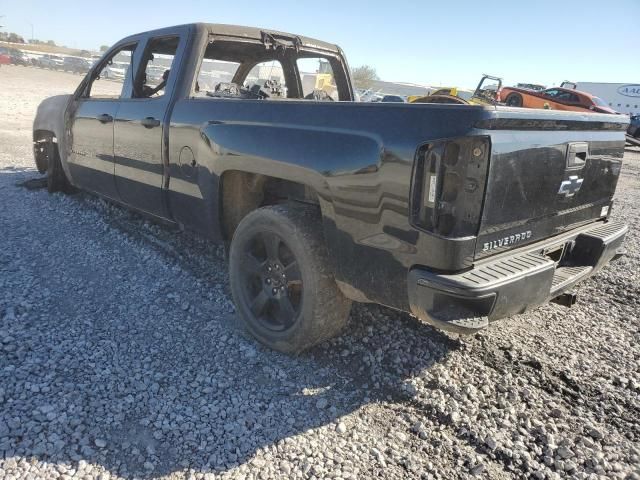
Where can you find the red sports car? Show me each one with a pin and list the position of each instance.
(556, 98)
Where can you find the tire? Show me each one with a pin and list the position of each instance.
(56, 178)
(285, 294)
(514, 100)
(41, 152)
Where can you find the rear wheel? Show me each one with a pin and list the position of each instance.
(285, 294)
(56, 178)
(514, 100)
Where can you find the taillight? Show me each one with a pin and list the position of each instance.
(449, 184)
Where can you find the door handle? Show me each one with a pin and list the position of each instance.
(150, 122)
(105, 118)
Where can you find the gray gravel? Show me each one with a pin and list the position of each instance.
(119, 359)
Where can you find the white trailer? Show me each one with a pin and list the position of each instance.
(622, 97)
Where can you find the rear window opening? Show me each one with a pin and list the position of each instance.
(252, 70)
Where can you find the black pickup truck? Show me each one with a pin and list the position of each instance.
(459, 214)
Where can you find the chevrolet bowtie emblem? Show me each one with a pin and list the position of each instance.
(570, 187)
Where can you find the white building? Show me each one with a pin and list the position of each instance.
(622, 97)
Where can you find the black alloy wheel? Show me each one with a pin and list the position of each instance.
(281, 278)
(272, 283)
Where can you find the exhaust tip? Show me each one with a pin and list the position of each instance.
(566, 299)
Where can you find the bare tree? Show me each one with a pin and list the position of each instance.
(104, 48)
(364, 76)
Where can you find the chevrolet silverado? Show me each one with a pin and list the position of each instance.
(458, 214)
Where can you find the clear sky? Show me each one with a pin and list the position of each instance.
(431, 43)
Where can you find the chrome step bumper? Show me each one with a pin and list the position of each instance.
(512, 283)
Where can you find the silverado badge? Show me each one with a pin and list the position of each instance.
(506, 241)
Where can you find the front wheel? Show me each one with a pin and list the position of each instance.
(282, 285)
(514, 100)
(56, 178)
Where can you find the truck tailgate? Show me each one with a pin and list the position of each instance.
(548, 172)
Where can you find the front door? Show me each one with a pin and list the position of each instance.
(91, 137)
(91, 158)
(139, 128)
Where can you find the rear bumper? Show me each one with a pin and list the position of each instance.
(513, 282)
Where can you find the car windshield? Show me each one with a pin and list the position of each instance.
(600, 102)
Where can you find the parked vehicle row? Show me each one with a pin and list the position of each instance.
(14, 56)
(75, 64)
(65, 64)
(526, 95)
(52, 62)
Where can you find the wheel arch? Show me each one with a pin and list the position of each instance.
(254, 164)
(242, 192)
(50, 123)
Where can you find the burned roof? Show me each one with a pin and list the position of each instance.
(258, 34)
(251, 33)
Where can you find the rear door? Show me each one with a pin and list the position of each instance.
(91, 157)
(140, 169)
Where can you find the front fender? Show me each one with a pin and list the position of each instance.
(51, 117)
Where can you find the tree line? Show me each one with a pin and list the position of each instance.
(15, 38)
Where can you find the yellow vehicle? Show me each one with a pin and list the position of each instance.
(320, 82)
(450, 91)
(413, 98)
(483, 94)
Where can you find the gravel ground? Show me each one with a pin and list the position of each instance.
(119, 359)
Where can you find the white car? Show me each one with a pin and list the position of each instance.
(53, 62)
(116, 71)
